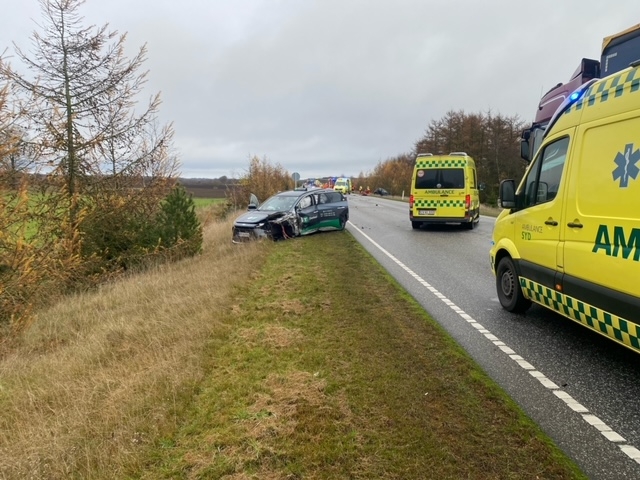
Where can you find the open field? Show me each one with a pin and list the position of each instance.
(257, 361)
(201, 202)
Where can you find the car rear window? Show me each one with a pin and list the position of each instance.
(440, 178)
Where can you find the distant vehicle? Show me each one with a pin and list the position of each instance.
(444, 189)
(343, 185)
(380, 191)
(618, 52)
(292, 213)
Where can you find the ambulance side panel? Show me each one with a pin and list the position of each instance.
(602, 228)
(597, 273)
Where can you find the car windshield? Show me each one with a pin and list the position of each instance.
(278, 203)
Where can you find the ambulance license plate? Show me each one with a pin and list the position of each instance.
(430, 211)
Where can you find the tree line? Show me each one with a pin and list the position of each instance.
(491, 139)
(87, 174)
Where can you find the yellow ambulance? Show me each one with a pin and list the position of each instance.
(569, 237)
(444, 189)
(343, 185)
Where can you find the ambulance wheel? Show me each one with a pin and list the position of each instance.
(509, 292)
(415, 225)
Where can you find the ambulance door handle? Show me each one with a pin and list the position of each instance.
(575, 224)
(551, 222)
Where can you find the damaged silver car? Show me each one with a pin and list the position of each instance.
(292, 214)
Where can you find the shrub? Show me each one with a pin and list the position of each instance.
(177, 223)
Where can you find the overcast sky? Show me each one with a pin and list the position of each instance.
(332, 87)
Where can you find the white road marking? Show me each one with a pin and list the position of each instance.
(629, 450)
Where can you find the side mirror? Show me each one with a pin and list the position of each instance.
(253, 202)
(524, 149)
(543, 192)
(507, 194)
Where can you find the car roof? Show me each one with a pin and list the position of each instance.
(299, 193)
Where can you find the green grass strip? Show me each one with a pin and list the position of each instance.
(329, 370)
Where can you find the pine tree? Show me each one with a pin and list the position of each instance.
(178, 224)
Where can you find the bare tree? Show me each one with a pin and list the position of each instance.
(82, 108)
(99, 163)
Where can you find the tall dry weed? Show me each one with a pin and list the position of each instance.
(100, 375)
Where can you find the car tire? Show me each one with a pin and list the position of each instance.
(508, 286)
(472, 224)
(415, 225)
(343, 223)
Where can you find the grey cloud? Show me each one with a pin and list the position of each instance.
(330, 87)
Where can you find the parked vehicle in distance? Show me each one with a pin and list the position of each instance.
(380, 191)
(569, 237)
(292, 213)
(618, 52)
(444, 189)
(343, 185)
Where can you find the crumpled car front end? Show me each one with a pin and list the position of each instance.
(276, 226)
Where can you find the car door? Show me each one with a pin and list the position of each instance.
(537, 223)
(332, 210)
(307, 211)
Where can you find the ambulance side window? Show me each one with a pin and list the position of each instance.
(543, 180)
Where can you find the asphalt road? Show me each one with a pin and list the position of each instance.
(580, 387)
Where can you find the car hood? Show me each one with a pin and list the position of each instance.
(254, 217)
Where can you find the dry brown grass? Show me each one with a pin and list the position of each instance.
(100, 375)
(257, 362)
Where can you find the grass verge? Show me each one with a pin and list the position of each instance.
(258, 361)
(331, 374)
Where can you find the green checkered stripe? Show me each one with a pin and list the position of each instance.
(614, 87)
(454, 162)
(438, 203)
(612, 326)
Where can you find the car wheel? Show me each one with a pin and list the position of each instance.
(508, 286)
(470, 226)
(415, 225)
(343, 223)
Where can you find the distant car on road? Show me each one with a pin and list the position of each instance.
(292, 213)
(380, 191)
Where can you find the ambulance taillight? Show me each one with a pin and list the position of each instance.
(467, 202)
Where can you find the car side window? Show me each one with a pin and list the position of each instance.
(322, 198)
(543, 181)
(334, 197)
(305, 202)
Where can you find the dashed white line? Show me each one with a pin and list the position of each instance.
(629, 450)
